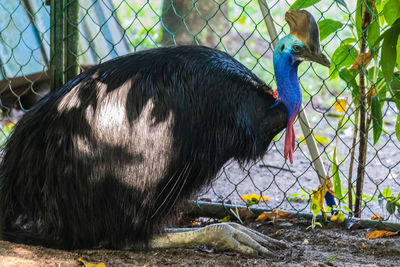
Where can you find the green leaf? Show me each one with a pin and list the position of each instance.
(344, 56)
(349, 40)
(347, 209)
(298, 4)
(387, 192)
(342, 2)
(398, 127)
(398, 54)
(388, 55)
(395, 85)
(391, 11)
(358, 18)
(393, 30)
(327, 27)
(335, 176)
(390, 207)
(376, 117)
(373, 32)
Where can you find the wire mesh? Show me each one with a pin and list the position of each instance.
(110, 28)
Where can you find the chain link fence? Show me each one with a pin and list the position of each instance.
(110, 28)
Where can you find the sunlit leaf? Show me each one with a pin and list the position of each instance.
(340, 105)
(337, 185)
(347, 209)
(387, 192)
(242, 19)
(391, 11)
(377, 217)
(379, 234)
(298, 4)
(315, 206)
(376, 113)
(321, 139)
(327, 27)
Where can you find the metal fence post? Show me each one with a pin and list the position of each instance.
(71, 39)
(56, 44)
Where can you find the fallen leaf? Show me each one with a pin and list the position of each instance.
(377, 217)
(274, 215)
(90, 264)
(367, 59)
(195, 223)
(379, 234)
(340, 105)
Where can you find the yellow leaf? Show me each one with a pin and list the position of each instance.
(379, 234)
(254, 196)
(317, 197)
(242, 19)
(377, 217)
(340, 105)
(89, 264)
(225, 219)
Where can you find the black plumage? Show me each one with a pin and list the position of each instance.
(106, 158)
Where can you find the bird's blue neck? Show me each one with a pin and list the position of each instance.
(287, 81)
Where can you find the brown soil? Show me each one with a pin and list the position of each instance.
(307, 248)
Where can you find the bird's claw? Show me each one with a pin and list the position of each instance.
(236, 237)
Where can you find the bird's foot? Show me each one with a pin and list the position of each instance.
(222, 236)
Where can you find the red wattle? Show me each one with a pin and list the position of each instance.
(290, 138)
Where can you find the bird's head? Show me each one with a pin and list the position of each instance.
(301, 44)
(303, 41)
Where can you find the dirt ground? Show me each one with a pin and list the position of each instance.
(307, 248)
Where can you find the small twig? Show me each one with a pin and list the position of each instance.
(275, 167)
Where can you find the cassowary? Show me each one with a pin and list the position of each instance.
(108, 158)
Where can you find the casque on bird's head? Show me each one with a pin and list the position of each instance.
(301, 44)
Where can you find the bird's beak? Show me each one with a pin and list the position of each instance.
(318, 57)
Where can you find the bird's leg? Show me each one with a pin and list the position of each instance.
(222, 236)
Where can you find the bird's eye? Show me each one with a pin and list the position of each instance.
(282, 47)
(296, 48)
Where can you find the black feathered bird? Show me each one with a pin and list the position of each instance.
(109, 156)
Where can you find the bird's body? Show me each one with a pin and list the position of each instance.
(108, 157)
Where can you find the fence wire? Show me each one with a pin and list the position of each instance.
(111, 28)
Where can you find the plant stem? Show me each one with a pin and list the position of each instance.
(363, 113)
(353, 150)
